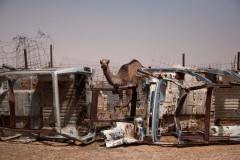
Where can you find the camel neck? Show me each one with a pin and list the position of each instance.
(109, 76)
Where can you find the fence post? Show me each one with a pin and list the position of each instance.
(183, 59)
(238, 61)
(51, 57)
(25, 59)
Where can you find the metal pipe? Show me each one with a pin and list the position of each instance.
(56, 103)
(25, 59)
(176, 116)
(181, 103)
(183, 59)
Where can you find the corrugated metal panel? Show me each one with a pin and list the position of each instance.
(73, 107)
(226, 102)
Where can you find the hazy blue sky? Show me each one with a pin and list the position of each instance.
(120, 30)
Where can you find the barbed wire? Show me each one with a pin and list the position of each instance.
(165, 63)
(98, 77)
(216, 65)
(37, 49)
(162, 62)
(100, 80)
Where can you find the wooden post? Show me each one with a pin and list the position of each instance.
(238, 61)
(51, 57)
(25, 59)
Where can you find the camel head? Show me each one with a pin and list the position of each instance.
(104, 63)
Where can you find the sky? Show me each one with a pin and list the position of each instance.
(207, 31)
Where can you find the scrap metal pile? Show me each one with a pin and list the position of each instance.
(194, 106)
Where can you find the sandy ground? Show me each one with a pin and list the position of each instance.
(98, 151)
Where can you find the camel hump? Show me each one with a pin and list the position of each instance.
(133, 64)
(128, 71)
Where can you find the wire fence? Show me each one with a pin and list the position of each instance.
(168, 63)
(100, 80)
(37, 51)
(98, 77)
(38, 56)
(216, 65)
(163, 63)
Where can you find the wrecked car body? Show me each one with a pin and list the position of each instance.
(194, 106)
(190, 106)
(50, 103)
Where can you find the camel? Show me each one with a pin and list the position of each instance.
(126, 75)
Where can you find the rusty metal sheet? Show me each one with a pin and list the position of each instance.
(72, 105)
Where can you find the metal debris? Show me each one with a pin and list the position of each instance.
(192, 105)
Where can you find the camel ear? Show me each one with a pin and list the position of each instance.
(101, 61)
(108, 61)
